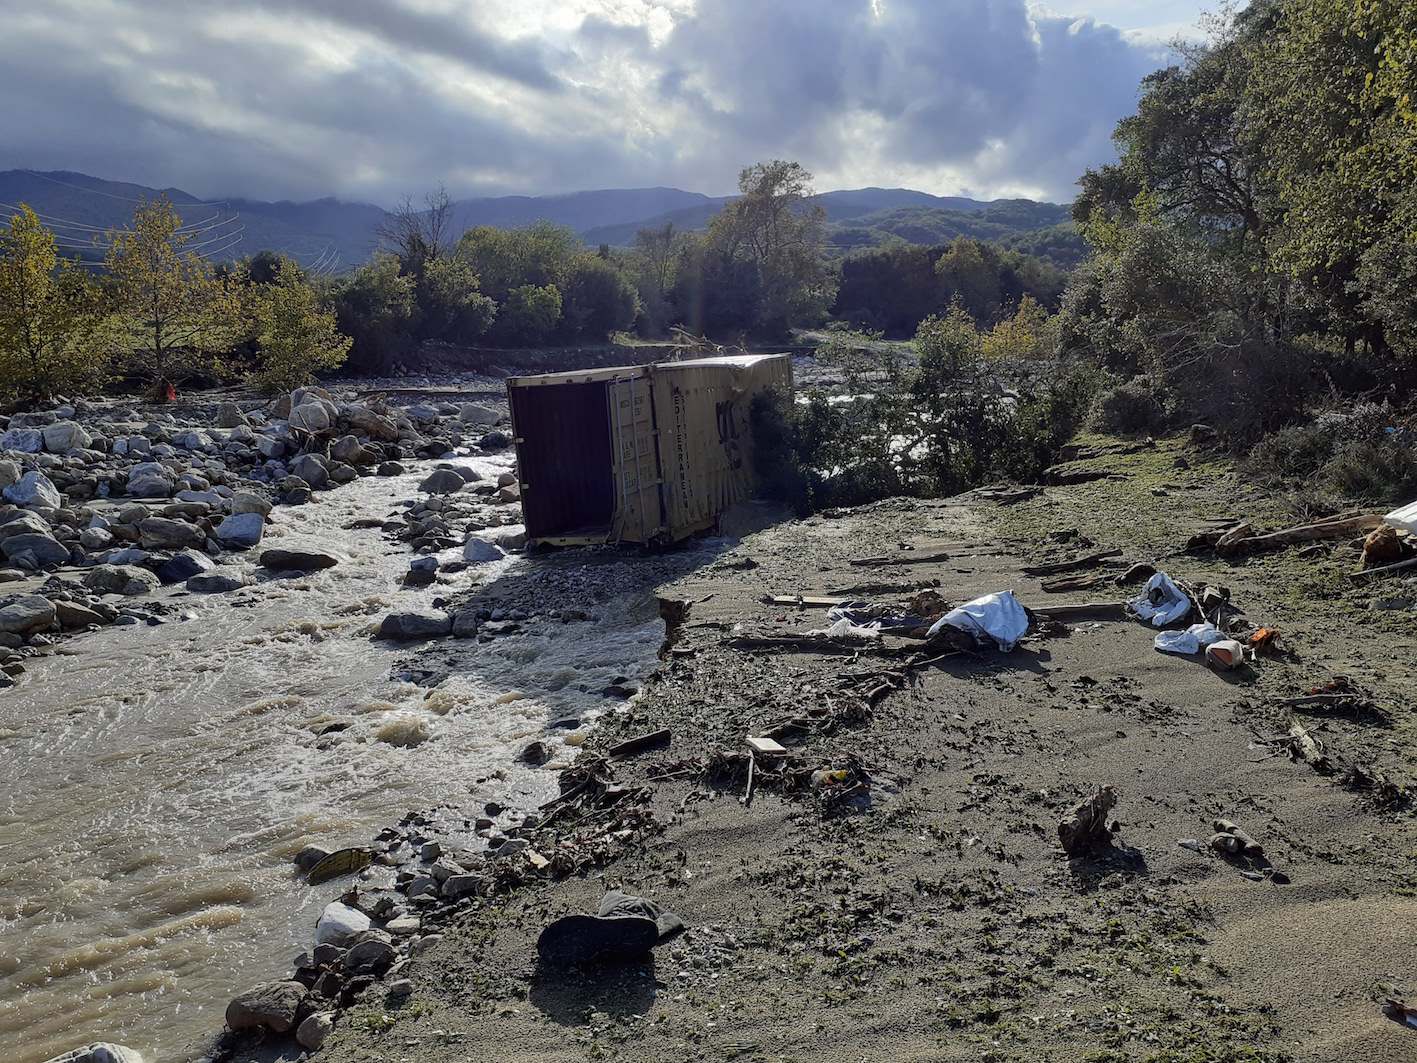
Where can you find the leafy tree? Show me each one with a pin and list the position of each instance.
(377, 308)
(1333, 96)
(297, 336)
(176, 313)
(531, 313)
(768, 246)
(51, 320)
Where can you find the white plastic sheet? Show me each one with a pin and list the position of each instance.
(1190, 641)
(1000, 617)
(1403, 519)
(1161, 602)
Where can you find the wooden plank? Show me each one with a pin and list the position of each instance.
(1069, 566)
(641, 743)
(805, 600)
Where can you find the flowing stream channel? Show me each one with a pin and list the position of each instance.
(158, 780)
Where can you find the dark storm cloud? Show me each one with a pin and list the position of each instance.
(375, 98)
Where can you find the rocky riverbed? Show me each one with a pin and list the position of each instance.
(212, 614)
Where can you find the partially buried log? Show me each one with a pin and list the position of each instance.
(1342, 527)
(1086, 823)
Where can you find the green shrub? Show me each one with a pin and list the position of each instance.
(1130, 409)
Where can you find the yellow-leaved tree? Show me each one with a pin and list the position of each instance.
(296, 335)
(52, 335)
(175, 313)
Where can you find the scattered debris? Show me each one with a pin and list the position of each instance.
(1089, 561)
(1384, 793)
(1400, 1012)
(1000, 617)
(1086, 822)
(340, 862)
(1162, 602)
(1230, 838)
(1243, 539)
(1227, 653)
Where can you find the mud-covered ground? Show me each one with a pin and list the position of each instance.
(941, 920)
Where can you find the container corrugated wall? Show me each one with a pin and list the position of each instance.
(705, 434)
(641, 452)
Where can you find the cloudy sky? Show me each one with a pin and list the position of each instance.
(372, 99)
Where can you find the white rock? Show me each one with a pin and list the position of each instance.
(64, 436)
(339, 923)
(478, 551)
(313, 1031)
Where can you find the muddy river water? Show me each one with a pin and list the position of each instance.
(158, 780)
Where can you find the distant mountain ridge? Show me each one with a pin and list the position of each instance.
(330, 234)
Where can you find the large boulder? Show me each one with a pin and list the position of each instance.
(415, 626)
(349, 450)
(442, 482)
(99, 1052)
(73, 616)
(372, 424)
(64, 436)
(45, 549)
(9, 473)
(296, 560)
(312, 1032)
(229, 415)
(182, 567)
(312, 469)
(273, 1005)
(24, 440)
(149, 479)
(471, 413)
(477, 551)
(217, 581)
(27, 615)
(121, 579)
(247, 502)
(160, 533)
(23, 522)
(33, 489)
(241, 531)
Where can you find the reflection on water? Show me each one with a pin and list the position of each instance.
(159, 781)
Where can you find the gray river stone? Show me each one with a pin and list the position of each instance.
(241, 530)
(216, 582)
(442, 482)
(121, 579)
(161, 533)
(24, 440)
(45, 549)
(297, 560)
(271, 1004)
(33, 489)
(27, 615)
(99, 1052)
(412, 626)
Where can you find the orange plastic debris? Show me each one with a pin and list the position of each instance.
(1265, 639)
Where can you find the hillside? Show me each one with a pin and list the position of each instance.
(329, 234)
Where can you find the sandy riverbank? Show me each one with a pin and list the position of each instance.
(944, 921)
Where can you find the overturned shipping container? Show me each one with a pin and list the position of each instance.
(637, 454)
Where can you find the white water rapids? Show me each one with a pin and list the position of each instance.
(158, 780)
